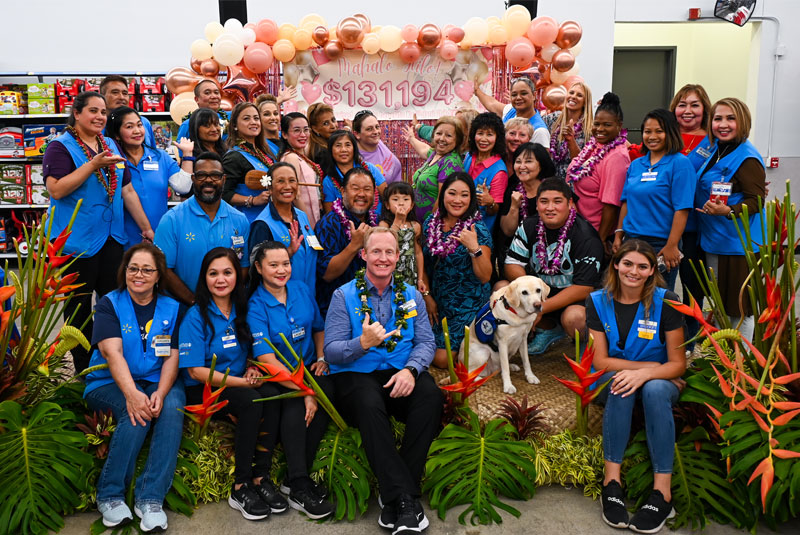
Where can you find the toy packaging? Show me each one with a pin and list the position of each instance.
(13, 194)
(11, 103)
(41, 91)
(11, 142)
(164, 132)
(153, 103)
(11, 173)
(68, 87)
(38, 194)
(37, 136)
(34, 174)
(37, 106)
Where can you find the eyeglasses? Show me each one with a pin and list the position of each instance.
(202, 177)
(146, 271)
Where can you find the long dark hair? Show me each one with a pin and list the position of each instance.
(331, 171)
(80, 102)
(286, 122)
(257, 255)
(114, 123)
(395, 188)
(473, 198)
(202, 295)
(542, 155)
(204, 117)
(611, 282)
(158, 259)
(488, 121)
(234, 137)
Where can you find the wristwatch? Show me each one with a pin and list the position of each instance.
(475, 254)
(413, 371)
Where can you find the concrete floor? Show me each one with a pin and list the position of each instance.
(554, 510)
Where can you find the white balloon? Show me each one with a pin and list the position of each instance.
(182, 105)
(233, 26)
(576, 49)
(200, 49)
(213, 30)
(248, 36)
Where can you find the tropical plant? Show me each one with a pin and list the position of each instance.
(98, 429)
(201, 413)
(42, 465)
(214, 461)
(526, 421)
(568, 459)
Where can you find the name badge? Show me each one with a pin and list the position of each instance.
(313, 242)
(237, 241)
(229, 341)
(720, 191)
(298, 334)
(647, 329)
(409, 308)
(703, 152)
(150, 166)
(649, 176)
(161, 344)
(120, 165)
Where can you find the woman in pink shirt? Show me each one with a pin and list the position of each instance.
(597, 173)
(485, 163)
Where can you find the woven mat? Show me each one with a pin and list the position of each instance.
(557, 400)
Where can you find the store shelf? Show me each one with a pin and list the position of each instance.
(6, 206)
(64, 115)
(10, 255)
(10, 160)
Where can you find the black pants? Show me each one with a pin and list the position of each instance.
(256, 426)
(300, 442)
(367, 404)
(98, 274)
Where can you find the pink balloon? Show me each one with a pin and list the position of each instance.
(258, 57)
(464, 90)
(409, 52)
(448, 50)
(520, 52)
(409, 33)
(573, 80)
(543, 31)
(267, 31)
(251, 25)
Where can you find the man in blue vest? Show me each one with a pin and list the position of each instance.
(207, 94)
(380, 370)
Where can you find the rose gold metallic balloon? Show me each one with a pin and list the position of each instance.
(364, 20)
(541, 83)
(209, 67)
(181, 79)
(226, 103)
(569, 34)
(194, 63)
(320, 35)
(563, 60)
(456, 35)
(349, 32)
(542, 64)
(553, 96)
(429, 36)
(333, 49)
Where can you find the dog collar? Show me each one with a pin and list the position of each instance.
(508, 307)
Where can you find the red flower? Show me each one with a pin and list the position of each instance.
(772, 314)
(202, 412)
(694, 311)
(468, 382)
(55, 247)
(64, 285)
(277, 374)
(586, 377)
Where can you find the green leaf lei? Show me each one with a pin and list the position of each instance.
(400, 321)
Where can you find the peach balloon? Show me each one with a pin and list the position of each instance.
(209, 68)
(543, 30)
(553, 97)
(312, 19)
(563, 60)
(520, 52)
(448, 50)
(365, 22)
(548, 51)
(498, 35)
(258, 57)
(302, 39)
(371, 43)
(409, 33)
(182, 105)
(333, 49)
(558, 77)
(476, 31)
(283, 50)
(455, 34)
(516, 21)
(350, 32)
(409, 52)
(286, 31)
(569, 33)
(200, 49)
(391, 38)
(320, 35)
(429, 36)
(213, 30)
(267, 31)
(576, 50)
(572, 80)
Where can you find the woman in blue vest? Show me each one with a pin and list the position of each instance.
(637, 340)
(343, 155)
(281, 221)
(152, 172)
(280, 304)
(133, 333)
(485, 163)
(248, 152)
(523, 104)
(82, 164)
(658, 193)
(735, 176)
(217, 325)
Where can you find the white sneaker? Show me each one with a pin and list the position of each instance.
(153, 517)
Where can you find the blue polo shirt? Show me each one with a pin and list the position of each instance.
(149, 136)
(186, 234)
(655, 192)
(150, 179)
(197, 345)
(298, 320)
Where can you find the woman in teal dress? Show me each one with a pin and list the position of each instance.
(457, 251)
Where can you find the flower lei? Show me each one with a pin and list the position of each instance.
(338, 209)
(560, 150)
(584, 163)
(400, 321)
(553, 267)
(311, 163)
(110, 185)
(443, 247)
(256, 153)
(523, 205)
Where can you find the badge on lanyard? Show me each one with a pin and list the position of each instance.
(120, 165)
(647, 329)
(298, 333)
(150, 165)
(703, 152)
(313, 242)
(162, 344)
(229, 340)
(409, 308)
(649, 176)
(720, 191)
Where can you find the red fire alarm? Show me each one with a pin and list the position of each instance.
(773, 163)
(694, 13)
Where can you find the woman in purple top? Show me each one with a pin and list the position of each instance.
(372, 149)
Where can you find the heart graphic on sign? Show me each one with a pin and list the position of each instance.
(487, 53)
(464, 90)
(289, 106)
(310, 92)
(319, 56)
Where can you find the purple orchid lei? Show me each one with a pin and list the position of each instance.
(338, 209)
(584, 163)
(443, 247)
(552, 268)
(560, 150)
(523, 205)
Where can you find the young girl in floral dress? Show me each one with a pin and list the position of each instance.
(399, 214)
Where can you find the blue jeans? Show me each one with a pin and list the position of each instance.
(657, 397)
(156, 478)
(670, 276)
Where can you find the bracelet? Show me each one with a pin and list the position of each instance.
(189, 158)
(248, 202)
(618, 230)
(426, 293)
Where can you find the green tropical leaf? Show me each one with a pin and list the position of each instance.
(342, 464)
(474, 465)
(40, 453)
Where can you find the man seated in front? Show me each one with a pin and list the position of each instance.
(564, 250)
(379, 344)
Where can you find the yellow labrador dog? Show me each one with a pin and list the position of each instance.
(500, 329)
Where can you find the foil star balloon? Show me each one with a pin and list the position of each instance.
(243, 85)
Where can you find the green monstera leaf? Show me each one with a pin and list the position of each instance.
(42, 466)
(474, 465)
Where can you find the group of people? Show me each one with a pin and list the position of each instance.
(357, 267)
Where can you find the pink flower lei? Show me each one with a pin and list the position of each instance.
(552, 268)
(338, 209)
(560, 150)
(584, 163)
(443, 247)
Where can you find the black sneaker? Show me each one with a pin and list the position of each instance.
(320, 491)
(247, 501)
(307, 501)
(613, 501)
(270, 495)
(410, 516)
(652, 516)
(388, 514)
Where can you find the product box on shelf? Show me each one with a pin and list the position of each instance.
(68, 87)
(153, 103)
(92, 84)
(65, 103)
(38, 106)
(47, 91)
(37, 136)
(151, 85)
(11, 103)
(37, 194)
(11, 142)
(12, 173)
(34, 174)
(13, 194)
